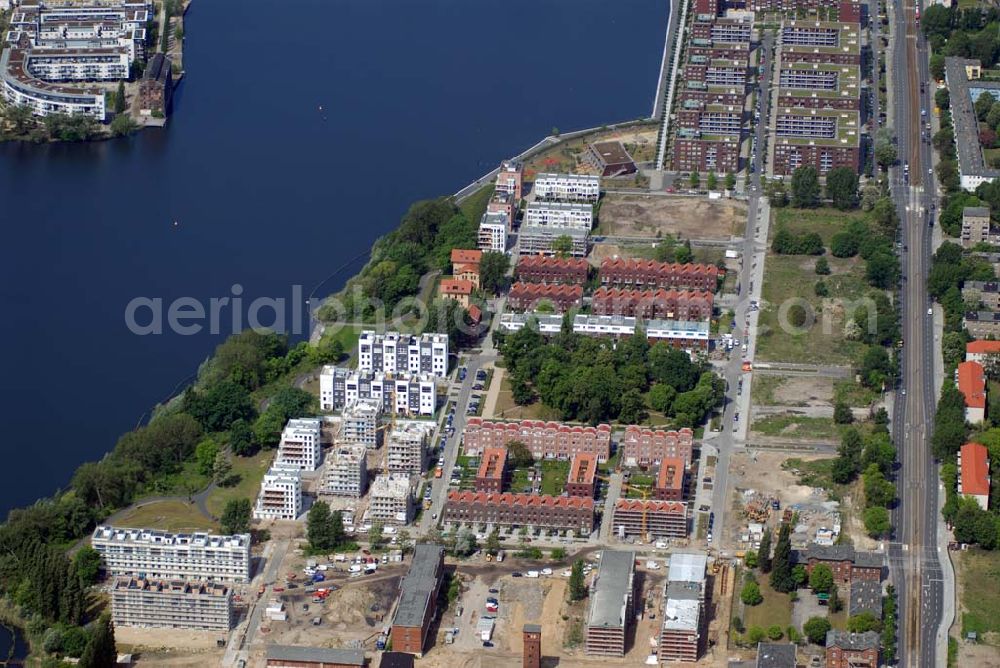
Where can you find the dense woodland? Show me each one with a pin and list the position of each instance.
(593, 380)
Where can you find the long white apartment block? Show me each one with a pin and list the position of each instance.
(402, 393)
(390, 500)
(280, 496)
(559, 214)
(393, 352)
(346, 471)
(173, 604)
(301, 444)
(406, 447)
(568, 187)
(162, 555)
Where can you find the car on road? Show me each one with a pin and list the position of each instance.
(477, 386)
(434, 516)
(494, 591)
(516, 574)
(930, 311)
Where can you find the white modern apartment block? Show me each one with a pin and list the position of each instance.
(52, 50)
(559, 214)
(301, 444)
(346, 471)
(397, 353)
(403, 394)
(494, 227)
(568, 187)
(360, 423)
(280, 496)
(173, 556)
(172, 604)
(390, 500)
(407, 448)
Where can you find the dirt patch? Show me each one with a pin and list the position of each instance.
(686, 217)
(804, 391)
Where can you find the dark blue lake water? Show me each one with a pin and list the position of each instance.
(419, 97)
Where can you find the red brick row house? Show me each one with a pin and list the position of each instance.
(649, 274)
(668, 304)
(642, 446)
(846, 563)
(670, 480)
(582, 473)
(527, 296)
(539, 511)
(492, 470)
(544, 269)
(545, 440)
(659, 519)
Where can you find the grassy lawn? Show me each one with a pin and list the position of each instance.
(346, 334)
(852, 394)
(554, 474)
(796, 425)
(776, 608)
(168, 516)
(789, 277)
(979, 578)
(250, 471)
(762, 389)
(186, 481)
(474, 206)
(506, 409)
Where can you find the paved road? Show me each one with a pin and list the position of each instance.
(913, 552)
(733, 434)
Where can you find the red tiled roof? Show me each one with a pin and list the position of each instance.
(975, 469)
(545, 262)
(475, 313)
(651, 295)
(633, 264)
(545, 291)
(455, 286)
(538, 424)
(464, 256)
(671, 475)
(525, 500)
(636, 430)
(972, 383)
(982, 347)
(583, 469)
(651, 505)
(492, 463)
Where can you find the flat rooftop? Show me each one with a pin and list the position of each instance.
(687, 567)
(418, 586)
(611, 588)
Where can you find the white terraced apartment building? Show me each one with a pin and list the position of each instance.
(280, 496)
(173, 556)
(494, 227)
(391, 499)
(567, 187)
(301, 444)
(406, 448)
(346, 471)
(560, 215)
(402, 393)
(173, 604)
(397, 353)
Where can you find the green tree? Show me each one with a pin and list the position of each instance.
(821, 289)
(781, 562)
(661, 398)
(842, 413)
(755, 634)
(71, 600)
(805, 187)
(204, 455)
(101, 651)
(376, 535)
(562, 245)
(863, 622)
(842, 187)
(885, 150)
(633, 408)
(821, 578)
(318, 528)
(711, 181)
(751, 559)
(493, 542)
(750, 595)
(222, 468)
(121, 104)
(236, 516)
(822, 267)
(123, 125)
(730, 181)
(87, 564)
(493, 269)
(878, 490)
(577, 585)
(764, 552)
(816, 629)
(774, 632)
(695, 180)
(519, 455)
(241, 439)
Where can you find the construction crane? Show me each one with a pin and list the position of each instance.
(645, 507)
